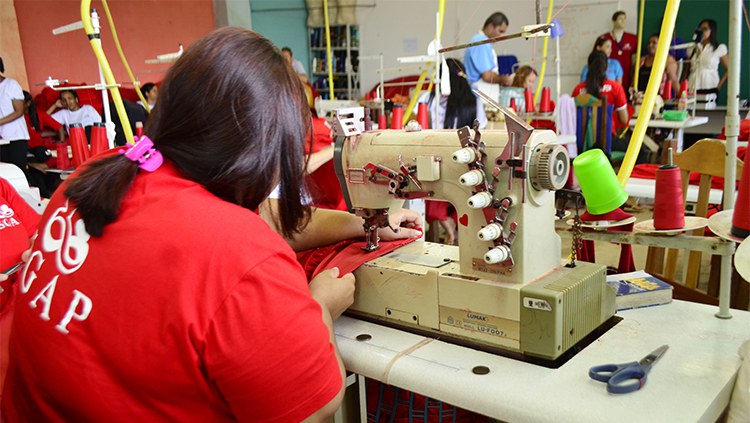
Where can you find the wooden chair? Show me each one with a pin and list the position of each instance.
(705, 157)
(594, 125)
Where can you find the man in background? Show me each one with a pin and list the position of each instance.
(296, 64)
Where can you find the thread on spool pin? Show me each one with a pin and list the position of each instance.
(529, 99)
(741, 215)
(423, 116)
(397, 116)
(669, 210)
(98, 139)
(78, 143)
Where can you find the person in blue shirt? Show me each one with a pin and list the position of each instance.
(481, 61)
(614, 69)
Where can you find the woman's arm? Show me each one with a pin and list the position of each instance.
(56, 105)
(319, 158)
(725, 62)
(15, 114)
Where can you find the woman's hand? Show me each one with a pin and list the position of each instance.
(407, 222)
(332, 292)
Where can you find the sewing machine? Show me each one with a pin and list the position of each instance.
(504, 287)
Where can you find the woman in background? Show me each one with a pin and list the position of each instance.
(708, 53)
(461, 107)
(14, 136)
(614, 68)
(647, 62)
(598, 85)
(525, 77)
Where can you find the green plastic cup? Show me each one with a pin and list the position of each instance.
(599, 184)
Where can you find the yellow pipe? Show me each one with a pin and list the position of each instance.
(109, 78)
(414, 97)
(640, 44)
(543, 69)
(441, 17)
(116, 39)
(329, 57)
(657, 70)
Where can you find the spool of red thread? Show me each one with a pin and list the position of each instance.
(545, 106)
(529, 99)
(139, 129)
(63, 160)
(741, 215)
(78, 144)
(669, 210)
(397, 116)
(666, 94)
(98, 139)
(381, 121)
(684, 87)
(513, 105)
(423, 116)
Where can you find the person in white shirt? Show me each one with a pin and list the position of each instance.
(71, 112)
(708, 54)
(298, 67)
(14, 135)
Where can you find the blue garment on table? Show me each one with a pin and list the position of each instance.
(614, 70)
(479, 59)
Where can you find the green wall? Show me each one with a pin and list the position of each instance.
(690, 14)
(285, 23)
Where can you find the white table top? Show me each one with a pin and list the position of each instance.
(687, 123)
(692, 382)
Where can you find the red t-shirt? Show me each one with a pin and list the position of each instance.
(187, 309)
(18, 222)
(615, 95)
(623, 52)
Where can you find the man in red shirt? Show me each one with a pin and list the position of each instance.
(624, 45)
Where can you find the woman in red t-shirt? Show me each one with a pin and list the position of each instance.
(599, 86)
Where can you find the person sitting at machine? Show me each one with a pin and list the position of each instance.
(647, 63)
(71, 112)
(150, 92)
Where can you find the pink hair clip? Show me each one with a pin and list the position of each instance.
(144, 153)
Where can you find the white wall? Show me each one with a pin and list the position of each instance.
(404, 28)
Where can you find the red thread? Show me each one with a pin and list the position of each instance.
(423, 116)
(529, 98)
(669, 210)
(544, 104)
(397, 117)
(98, 139)
(78, 144)
(741, 216)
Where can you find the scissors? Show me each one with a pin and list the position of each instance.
(626, 377)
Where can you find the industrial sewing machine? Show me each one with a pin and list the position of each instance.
(504, 287)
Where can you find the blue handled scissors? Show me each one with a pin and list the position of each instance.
(626, 377)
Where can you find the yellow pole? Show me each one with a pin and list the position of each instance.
(640, 44)
(657, 70)
(414, 97)
(543, 70)
(109, 78)
(329, 57)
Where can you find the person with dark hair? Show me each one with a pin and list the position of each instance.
(150, 92)
(707, 54)
(155, 290)
(647, 63)
(36, 122)
(298, 67)
(614, 69)
(72, 112)
(598, 85)
(14, 136)
(623, 46)
(461, 105)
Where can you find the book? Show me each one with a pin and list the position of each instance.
(639, 289)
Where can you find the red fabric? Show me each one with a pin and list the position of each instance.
(744, 134)
(615, 95)
(623, 52)
(46, 123)
(347, 255)
(439, 210)
(402, 90)
(205, 317)
(323, 184)
(648, 171)
(626, 262)
(18, 222)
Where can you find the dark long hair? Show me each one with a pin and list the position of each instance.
(600, 42)
(712, 26)
(33, 116)
(597, 72)
(243, 140)
(461, 109)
